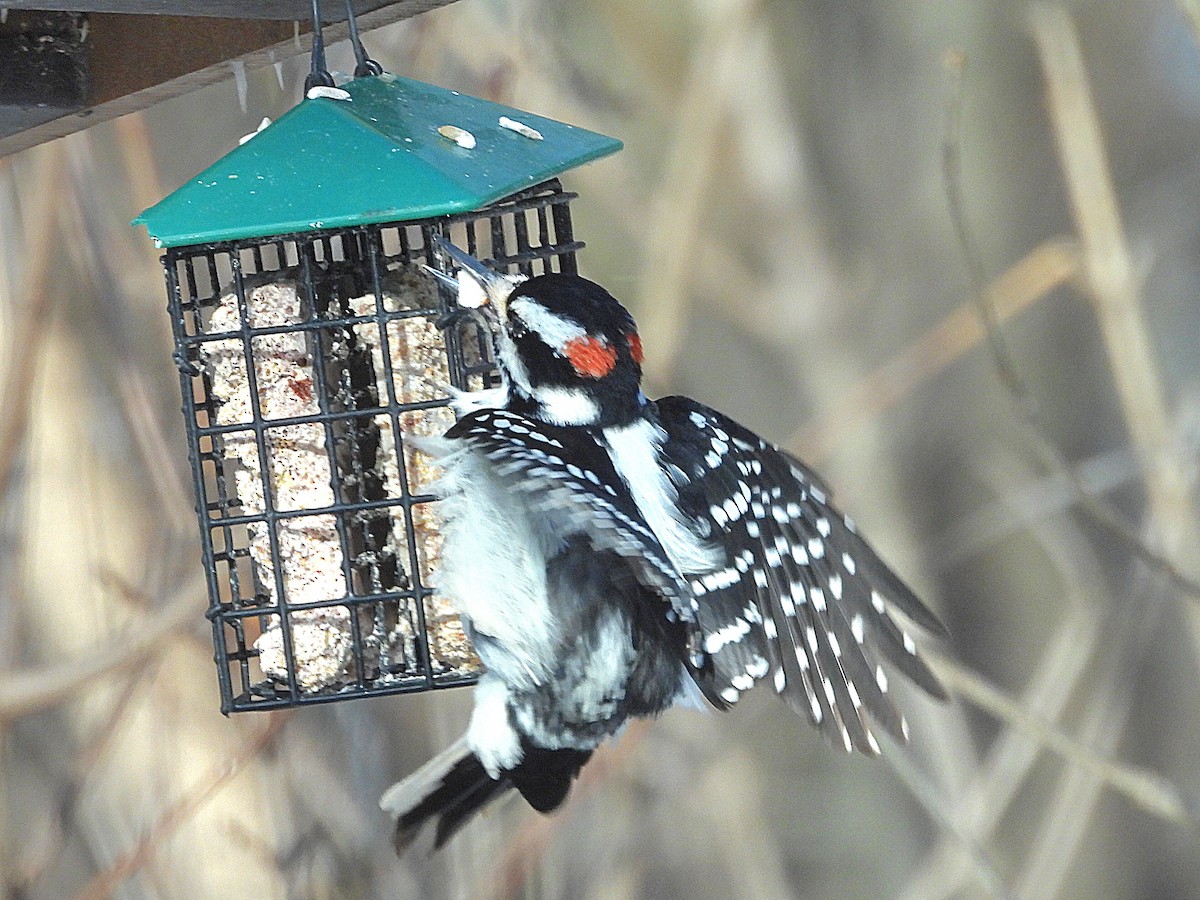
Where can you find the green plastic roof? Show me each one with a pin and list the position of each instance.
(377, 157)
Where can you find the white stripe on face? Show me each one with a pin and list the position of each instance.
(555, 331)
(566, 406)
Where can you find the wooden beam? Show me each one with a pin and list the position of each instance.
(280, 10)
(43, 68)
(130, 55)
(136, 60)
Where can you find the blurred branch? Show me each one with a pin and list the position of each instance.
(32, 310)
(141, 162)
(1027, 503)
(941, 811)
(178, 814)
(27, 691)
(1046, 267)
(1109, 267)
(1002, 357)
(508, 878)
(36, 865)
(1150, 432)
(1116, 299)
(672, 235)
(1133, 633)
(1147, 790)
(988, 797)
(731, 798)
(161, 469)
(91, 238)
(1054, 847)
(1191, 9)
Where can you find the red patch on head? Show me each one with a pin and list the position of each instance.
(591, 357)
(635, 347)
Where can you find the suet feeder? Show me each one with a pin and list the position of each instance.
(309, 357)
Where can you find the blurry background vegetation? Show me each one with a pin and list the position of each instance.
(780, 224)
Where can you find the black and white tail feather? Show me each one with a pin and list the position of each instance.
(453, 786)
(648, 549)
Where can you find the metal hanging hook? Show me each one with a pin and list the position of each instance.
(364, 66)
(319, 73)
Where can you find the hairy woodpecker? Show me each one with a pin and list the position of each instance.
(610, 555)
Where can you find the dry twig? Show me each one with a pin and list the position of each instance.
(1148, 790)
(22, 693)
(1109, 269)
(1191, 9)
(1046, 267)
(673, 232)
(182, 810)
(529, 844)
(983, 804)
(33, 314)
(1101, 239)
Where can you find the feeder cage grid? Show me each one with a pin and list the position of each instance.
(307, 363)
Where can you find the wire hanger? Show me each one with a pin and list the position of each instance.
(365, 65)
(319, 72)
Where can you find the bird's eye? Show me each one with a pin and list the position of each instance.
(517, 328)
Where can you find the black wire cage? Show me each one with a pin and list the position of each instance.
(308, 364)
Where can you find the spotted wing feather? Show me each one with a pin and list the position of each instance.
(822, 594)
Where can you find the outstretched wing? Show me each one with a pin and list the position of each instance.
(568, 477)
(805, 597)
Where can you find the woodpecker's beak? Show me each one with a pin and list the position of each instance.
(441, 278)
(476, 284)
